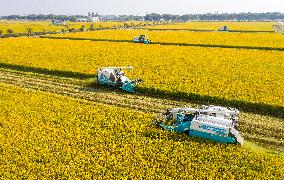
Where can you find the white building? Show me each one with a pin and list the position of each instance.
(92, 17)
(83, 20)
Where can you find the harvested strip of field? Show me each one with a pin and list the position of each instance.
(244, 78)
(256, 40)
(76, 89)
(263, 130)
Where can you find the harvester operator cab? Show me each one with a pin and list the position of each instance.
(174, 118)
(119, 74)
(142, 37)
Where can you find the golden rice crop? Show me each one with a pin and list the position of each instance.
(249, 75)
(243, 26)
(53, 137)
(106, 24)
(21, 26)
(199, 38)
(39, 26)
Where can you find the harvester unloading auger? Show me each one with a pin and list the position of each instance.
(209, 122)
(114, 76)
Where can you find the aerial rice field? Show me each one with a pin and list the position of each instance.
(253, 40)
(21, 26)
(234, 74)
(238, 26)
(57, 123)
(50, 136)
(41, 26)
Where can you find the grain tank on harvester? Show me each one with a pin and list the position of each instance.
(114, 76)
(209, 122)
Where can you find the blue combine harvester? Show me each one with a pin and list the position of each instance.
(114, 76)
(224, 29)
(143, 38)
(209, 122)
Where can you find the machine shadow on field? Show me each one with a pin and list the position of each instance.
(45, 71)
(245, 106)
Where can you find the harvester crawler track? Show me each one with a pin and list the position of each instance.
(72, 88)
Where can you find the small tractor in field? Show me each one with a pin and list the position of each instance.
(209, 122)
(224, 29)
(143, 38)
(114, 76)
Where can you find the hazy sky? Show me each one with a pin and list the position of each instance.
(22, 7)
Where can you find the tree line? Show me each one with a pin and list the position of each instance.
(269, 16)
(217, 17)
(43, 17)
(72, 18)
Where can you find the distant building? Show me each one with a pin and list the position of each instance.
(92, 17)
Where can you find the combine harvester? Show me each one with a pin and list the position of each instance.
(143, 38)
(279, 28)
(224, 29)
(114, 76)
(210, 122)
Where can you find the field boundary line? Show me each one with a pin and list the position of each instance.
(208, 30)
(173, 44)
